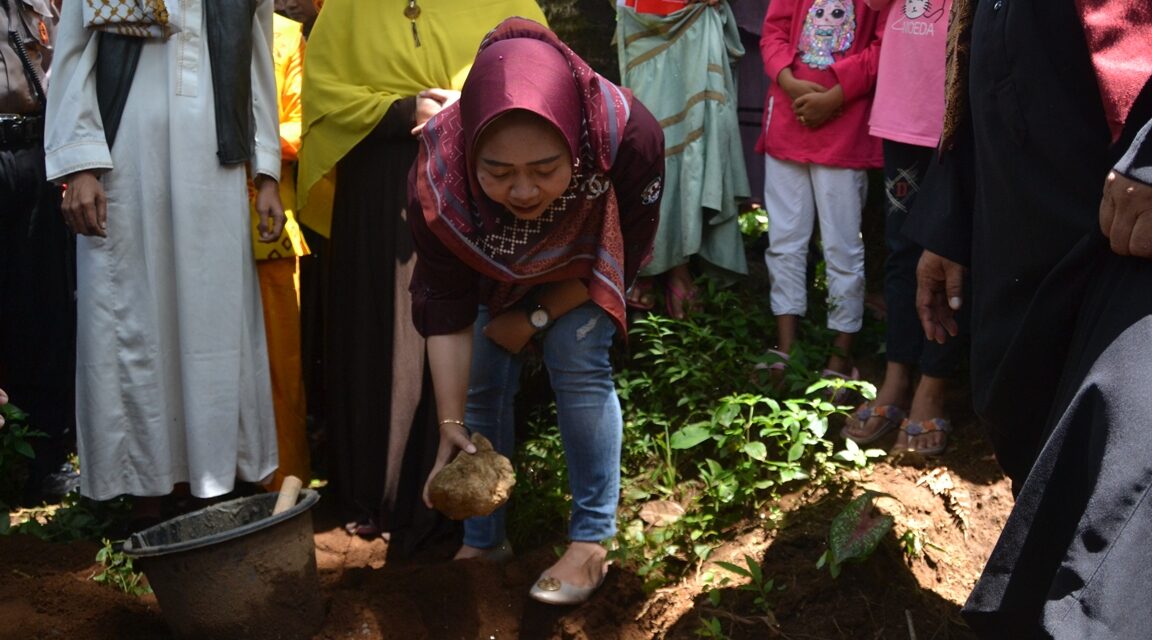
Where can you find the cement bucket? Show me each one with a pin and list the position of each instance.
(234, 570)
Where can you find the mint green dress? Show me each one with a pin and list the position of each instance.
(681, 67)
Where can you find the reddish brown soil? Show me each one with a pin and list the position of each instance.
(45, 590)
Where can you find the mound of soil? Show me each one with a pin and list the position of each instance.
(955, 507)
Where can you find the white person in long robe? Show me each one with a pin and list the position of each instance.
(172, 367)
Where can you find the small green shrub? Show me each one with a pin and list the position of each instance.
(16, 453)
(753, 222)
(708, 445)
(758, 584)
(854, 456)
(117, 571)
(710, 627)
(540, 500)
(855, 532)
(703, 432)
(74, 518)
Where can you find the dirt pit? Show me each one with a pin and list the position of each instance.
(956, 507)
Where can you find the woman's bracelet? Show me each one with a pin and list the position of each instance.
(452, 421)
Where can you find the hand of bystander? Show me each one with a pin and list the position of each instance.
(1126, 215)
(939, 292)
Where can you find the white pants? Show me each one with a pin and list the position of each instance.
(796, 195)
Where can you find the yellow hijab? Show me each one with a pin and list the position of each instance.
(361, 57)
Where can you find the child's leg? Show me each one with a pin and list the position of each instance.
(840, 360)
(839, 195)
(787, 326)
(791, 208)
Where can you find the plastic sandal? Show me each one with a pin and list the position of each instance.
(771, 371)
(780, 364)
(892, 416)
(924, 427)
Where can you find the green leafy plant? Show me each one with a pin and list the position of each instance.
(703, 433)
(758, 584)
(711, 627)
(855, 532)
(913, 542)
(540, 497)
(16, 453)
(752, 443)
(74, 518)
(117, 571)
(708, 447)
(754, 221)
(854, 456)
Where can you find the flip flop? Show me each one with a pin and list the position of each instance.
(774, 370)
(892, 416)
(686, 298)
(779, 365)
(923, 427)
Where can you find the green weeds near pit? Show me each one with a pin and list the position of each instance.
(708, 447)
(117, 571)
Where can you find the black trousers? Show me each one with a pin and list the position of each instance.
(37, 307)
(905, 166)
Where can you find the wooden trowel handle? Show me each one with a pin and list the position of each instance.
(289, 490)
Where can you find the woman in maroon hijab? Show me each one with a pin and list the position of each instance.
(534, 202)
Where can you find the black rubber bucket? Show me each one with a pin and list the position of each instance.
(233, 570)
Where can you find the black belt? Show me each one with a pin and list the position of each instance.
(20, 131)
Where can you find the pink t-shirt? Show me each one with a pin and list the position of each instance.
(829, 42)
(909, 102)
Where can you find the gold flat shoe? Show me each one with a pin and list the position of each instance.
(550, 590)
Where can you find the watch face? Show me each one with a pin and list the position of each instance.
(538, 318)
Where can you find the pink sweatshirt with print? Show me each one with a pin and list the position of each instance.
(909, 102)
(829, 42)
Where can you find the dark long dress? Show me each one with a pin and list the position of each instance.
(1062, 333)
(379, 407)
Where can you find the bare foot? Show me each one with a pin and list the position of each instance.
(642, 295)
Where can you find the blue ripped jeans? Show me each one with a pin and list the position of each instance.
(576, 356)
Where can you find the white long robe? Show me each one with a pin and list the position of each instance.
(172, 365)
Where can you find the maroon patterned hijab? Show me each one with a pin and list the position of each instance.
(523, 65)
